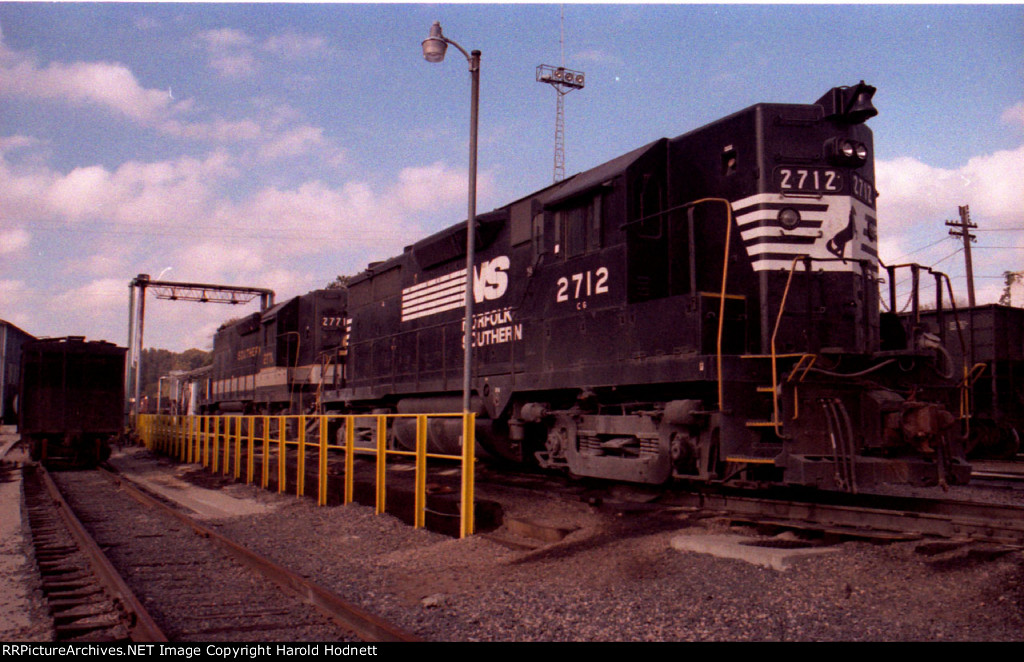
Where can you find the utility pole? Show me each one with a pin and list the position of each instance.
(964, 231)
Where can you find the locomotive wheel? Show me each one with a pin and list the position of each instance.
(561, 440)
(684, 453)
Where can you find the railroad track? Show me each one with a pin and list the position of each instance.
(871, 516)
(999, 474)
(88, 599)
(199, 586)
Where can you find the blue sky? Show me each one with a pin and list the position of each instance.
(279, 145)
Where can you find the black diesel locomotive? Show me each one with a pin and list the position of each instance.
(703, 307)
(280, 360)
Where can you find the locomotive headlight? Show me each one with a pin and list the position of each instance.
(846, 152)
(789, 218)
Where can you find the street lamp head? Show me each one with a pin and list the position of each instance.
(435, 45)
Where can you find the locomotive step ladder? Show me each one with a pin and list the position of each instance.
(798, 371)
(796, 374)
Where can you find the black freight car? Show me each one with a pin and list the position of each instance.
(705, 307)
(11, 340)
(72, 399)
(989, 341)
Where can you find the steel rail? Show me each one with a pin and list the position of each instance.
(994, 523)
(141, 626)
(363, 624)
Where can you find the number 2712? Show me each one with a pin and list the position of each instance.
(583, 284)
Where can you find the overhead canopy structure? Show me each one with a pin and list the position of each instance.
(173, 291)
(209, 293)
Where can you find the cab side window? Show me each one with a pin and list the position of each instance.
(579, 227)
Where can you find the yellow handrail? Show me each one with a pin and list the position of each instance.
(725, 276)
(183, 437)
(775, 360)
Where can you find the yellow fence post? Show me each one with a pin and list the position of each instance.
(300, 460)
(224, 456)
(468, 481)
(382, 423)
(322, 464)
(282, 477)
(215, 458)
(350, 451)
(238, 447)
(207, 440)
(420, 516)
(249, 461)
(226, 453)
(265, 470)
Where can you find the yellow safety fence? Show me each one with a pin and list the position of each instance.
(217, 443)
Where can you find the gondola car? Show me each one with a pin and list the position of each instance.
(703, 307)
(72, 400)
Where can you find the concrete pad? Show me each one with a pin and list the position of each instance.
(538, 530)
(205, 503)
(743, 548)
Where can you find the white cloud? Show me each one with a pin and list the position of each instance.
(429, 186)
(294, 45)
(12, 143)
(916, 200)
(234, 54)
(225, 38)
(104, 84)
(113, 88)
(1014, 115)
(12, 293)
(168, 192)
(234, 65)
(298, 141)
(912, 192)
(101, 303)
(13, 240)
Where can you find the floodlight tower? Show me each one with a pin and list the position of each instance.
(564, 81)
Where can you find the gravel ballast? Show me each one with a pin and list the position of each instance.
(616, 577)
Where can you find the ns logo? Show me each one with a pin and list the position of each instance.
(490, 279)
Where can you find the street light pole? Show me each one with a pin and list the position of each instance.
(434, 47)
